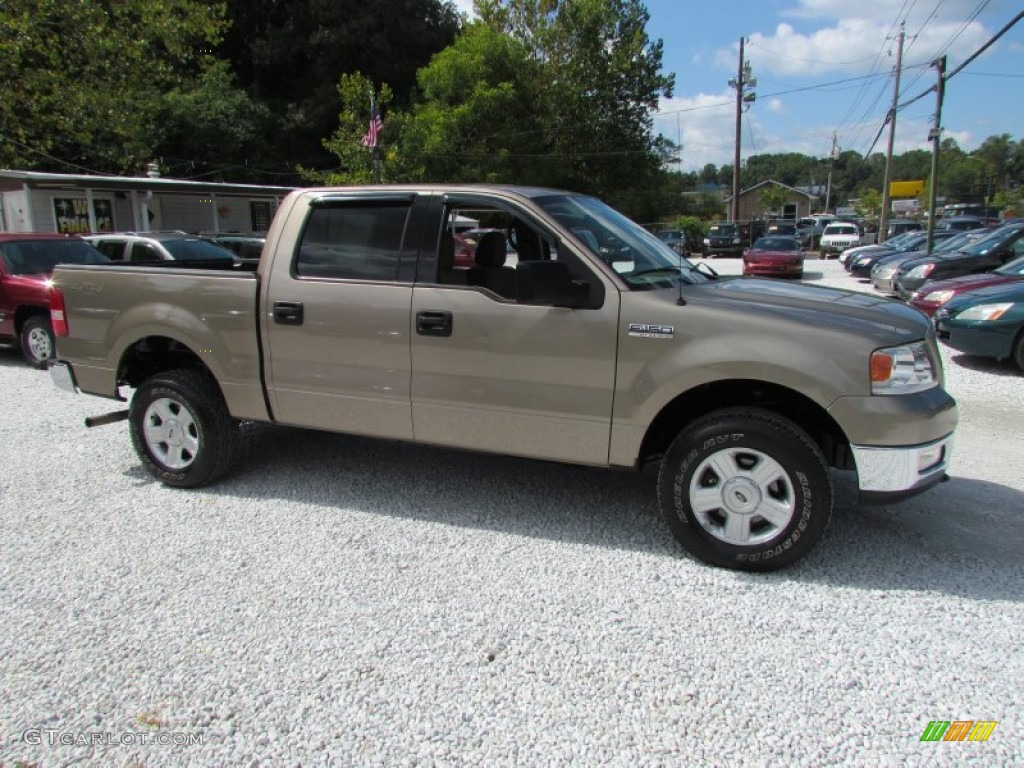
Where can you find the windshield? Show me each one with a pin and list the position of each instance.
(722, 230)
(997, 239)
(195, 249)
(840, 229)
(642, 260)
(776, 244)
(1015, 267)
(39, 257)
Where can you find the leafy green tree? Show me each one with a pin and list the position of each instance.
(83, 84)
(772, 198)
(290, 54)
(358, 164)
(476, 120)
(599, 80)
(869, 203)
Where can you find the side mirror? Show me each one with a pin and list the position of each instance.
(549, 283)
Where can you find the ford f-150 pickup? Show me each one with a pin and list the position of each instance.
(576, 336)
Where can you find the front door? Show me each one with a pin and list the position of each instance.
(492, 374)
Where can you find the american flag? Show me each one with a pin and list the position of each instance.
(370, 139)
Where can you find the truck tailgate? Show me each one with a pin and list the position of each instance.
(111, 309)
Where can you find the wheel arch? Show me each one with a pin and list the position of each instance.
(26, 311)
(155, 354)
(691, 405)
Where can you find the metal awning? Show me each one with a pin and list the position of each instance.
(11, 181)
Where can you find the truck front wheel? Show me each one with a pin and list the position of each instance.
(181, 428)
(745, 488)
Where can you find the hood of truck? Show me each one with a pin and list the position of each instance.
(886, 320)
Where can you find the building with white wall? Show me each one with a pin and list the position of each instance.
(57, 202)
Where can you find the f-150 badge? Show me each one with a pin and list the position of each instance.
(649, 331)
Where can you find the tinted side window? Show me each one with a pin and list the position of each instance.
(112, 249)
(145, 252)
(353, 241)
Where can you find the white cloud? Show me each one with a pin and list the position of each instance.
(777, 106)
(829, 37)
(705, 125)
(465, 6)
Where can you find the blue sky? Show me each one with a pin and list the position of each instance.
(801, 50)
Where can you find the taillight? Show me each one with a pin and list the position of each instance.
(58, 319)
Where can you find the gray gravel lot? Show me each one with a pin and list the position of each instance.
(340, 601)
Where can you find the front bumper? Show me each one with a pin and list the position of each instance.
(892, 473)
(883, 281)
(63, 376)
(986, 339)
(906, 288)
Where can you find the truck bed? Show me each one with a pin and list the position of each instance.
(121, 313)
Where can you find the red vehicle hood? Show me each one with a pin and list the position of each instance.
(968, 282)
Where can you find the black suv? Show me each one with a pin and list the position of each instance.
(723, 239)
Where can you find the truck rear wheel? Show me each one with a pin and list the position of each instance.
(37, 344)
(181, 428)
(745, 488)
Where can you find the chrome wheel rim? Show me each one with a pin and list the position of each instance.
(40, 344)
(742, 496)
(171, 433)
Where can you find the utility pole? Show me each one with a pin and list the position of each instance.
(935, 135)
(883, 223)
(831, 160)
(742, 82)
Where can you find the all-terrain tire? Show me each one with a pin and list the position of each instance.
(182, 430)
(745, 488)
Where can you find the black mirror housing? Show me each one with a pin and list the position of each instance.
(549, 283)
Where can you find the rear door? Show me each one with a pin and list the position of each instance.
(337, 315)
(492, 374)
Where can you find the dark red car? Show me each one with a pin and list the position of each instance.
(26, 263)
(932, 295)
(774, 256)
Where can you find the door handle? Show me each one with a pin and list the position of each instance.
(432, 323)
(288, 312)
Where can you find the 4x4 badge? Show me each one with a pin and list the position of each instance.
(648, 331)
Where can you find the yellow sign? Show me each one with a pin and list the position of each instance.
(906, 188)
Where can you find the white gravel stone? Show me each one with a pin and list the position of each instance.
(340, 601)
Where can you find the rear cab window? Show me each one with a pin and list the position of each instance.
(353, 240)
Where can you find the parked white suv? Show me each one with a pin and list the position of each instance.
(837, 237)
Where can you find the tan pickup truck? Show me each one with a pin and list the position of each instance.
(575, 336)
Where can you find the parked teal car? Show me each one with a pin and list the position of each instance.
(986, 321)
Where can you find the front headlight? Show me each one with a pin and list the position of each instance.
(902, 370)
(937, 297)
(920, 271)
(736, 241)
(985, 311)
(707, 241)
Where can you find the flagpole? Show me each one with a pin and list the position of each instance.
(375, 156)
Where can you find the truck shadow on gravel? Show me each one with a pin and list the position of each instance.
(988, 365)
(961, 538)
(11, 357)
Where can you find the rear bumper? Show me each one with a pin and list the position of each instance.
(892, 473)
(63, 376)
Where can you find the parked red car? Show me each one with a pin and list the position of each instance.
(932, 295)
(774, 256)
(26, 263)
